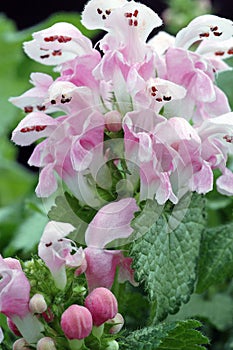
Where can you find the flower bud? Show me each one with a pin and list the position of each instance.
(46, 343)
(113, 121)
(37, 304)
(20, 344)
(113, 345)
(76, 322)
(117, 322)
(13, 327)
(102, 304)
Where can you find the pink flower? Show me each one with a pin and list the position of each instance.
(56, 251)
(102, 305)
(14, 299)
(112, 222)
(34, 99)
(76, 322)
(14, 290)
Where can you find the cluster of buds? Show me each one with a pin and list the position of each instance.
(77, 322)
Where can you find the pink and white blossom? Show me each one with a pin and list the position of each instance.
(58, 252)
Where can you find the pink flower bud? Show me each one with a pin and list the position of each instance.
(20, 344)
(113, 121)
(102, 304)
(76, 322)
(37, 304)
(117, 322)
(46, 343)
(13, 327)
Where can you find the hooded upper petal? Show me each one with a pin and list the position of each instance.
(205, 27)
(111, 222)
(33, 127)
(57, 44)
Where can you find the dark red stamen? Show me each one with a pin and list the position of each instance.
(228, 138)
(108, 12)
(37, 128)
(104, 17)
(44, 56)
(48, 244)
(28, 109)
(159, 99)
(135, 13)
(167, 98)
(41, 108)
(213, 29)
(230, 51)
(219, 53)
(130, 22)
(217, 33)
(204, 35)
(135, 23)
(57, 53)
(64, 39)
(53, 102)
(99, 11)
(153, 88)
(128, 14)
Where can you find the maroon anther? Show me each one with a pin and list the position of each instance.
(99, 11)
(33, 128)
(219, 53)
(57, 53)
(204, 35)
(228, 138)
(41, 108)
(230, 51)
(217, 33)
(48, 244)
(28, 109)
(44, 56)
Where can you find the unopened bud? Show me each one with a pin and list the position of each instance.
(117, 322)
(102, 304)
(46, 343)
(37, 304)
(20, 344)
(76, 322)
(113, 345)
(13, 327)
(113, 121)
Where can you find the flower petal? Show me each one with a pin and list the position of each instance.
(59, 43)
(96, 12)
(225, 183)
(205, 27)
(111, 222)
(33, 127)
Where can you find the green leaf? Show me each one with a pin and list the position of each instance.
(173, 336)
(216, 257)
(165, 257)
(217, 309)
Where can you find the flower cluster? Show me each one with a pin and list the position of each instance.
(131, 118)
(176, 123)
